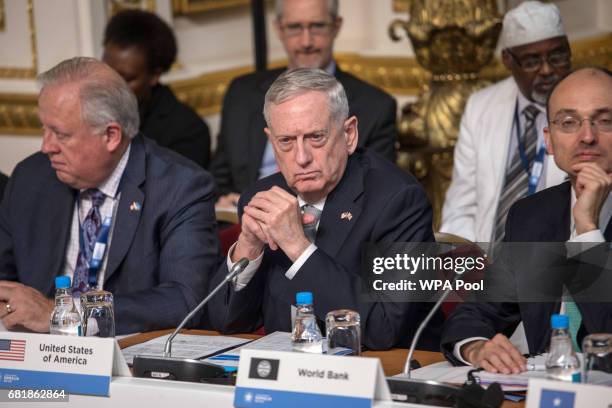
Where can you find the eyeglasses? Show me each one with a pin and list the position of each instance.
(314, 28)
(573, 123)
(532, 63)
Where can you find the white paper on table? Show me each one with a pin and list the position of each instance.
(441, 372)
(278, 341)
(447, 373)
(183, 346)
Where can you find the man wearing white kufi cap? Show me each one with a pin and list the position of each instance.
(500, 155)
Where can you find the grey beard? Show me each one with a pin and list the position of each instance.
(539, 98)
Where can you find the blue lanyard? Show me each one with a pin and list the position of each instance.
(97, 255)
(538, 161)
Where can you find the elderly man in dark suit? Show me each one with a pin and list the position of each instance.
(580, 139)
(359, 196)
(307, 29)
(96, 171)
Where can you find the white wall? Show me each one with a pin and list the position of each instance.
(212, 41)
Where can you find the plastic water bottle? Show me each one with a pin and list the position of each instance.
(562, 363)
(306, 336)
(65, 319)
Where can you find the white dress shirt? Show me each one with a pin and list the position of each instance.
(245, 277)
(110, 188)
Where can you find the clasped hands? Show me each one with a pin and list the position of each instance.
(272, 218)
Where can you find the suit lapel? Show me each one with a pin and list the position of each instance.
(58, 211)
(127, 216)
(342, 209)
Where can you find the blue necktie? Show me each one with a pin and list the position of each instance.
(89, 230)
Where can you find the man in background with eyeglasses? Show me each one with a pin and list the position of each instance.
(307, 30)
(500, 155)
(579, 138)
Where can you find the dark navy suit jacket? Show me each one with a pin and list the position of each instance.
(242, 141)
(387, 205)
(3, 181)
(542, 217)
(160, 257)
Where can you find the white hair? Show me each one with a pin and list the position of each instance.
(296, 82)
(332, 8)
(105, 97)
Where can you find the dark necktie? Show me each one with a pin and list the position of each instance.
(89, 229)
(516, 184)
(310, 229)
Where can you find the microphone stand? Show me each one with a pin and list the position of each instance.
(436, 393)
(185, 369)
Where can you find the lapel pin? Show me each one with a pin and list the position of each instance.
(346, 216)
(135, 206)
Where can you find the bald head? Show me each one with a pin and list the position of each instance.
(104, 96)
(581, 75)
(579, 116)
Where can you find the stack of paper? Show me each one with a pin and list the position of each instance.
(184, 346)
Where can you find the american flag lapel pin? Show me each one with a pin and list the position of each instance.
(346, 216)
(135, 206)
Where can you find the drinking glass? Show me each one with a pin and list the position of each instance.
(597, 349)
(343, 332)
(98, 314)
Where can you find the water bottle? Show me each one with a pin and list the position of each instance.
(65, 319)
(562, 363)
(306, 336)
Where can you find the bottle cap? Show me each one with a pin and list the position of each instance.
(303, 298)
(559, 321)
(62, 282)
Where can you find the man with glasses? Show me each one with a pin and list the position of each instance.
(307, 30)
(579, 138)
(500, 155)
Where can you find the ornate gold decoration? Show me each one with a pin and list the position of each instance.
(200, 6)
(397, 75)
(20, 73)
(453, 40)
(18, 114)
(401, 6)
(2, 15)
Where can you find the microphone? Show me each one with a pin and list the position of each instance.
(185, 369)
(435, 393)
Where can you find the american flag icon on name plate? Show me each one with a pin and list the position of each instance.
(12, 350)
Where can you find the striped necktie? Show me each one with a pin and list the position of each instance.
(89, 229)
(516, 184)
(310, 229)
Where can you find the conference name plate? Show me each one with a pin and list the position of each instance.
(74, 365)
(280, 379)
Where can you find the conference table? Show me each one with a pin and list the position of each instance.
(153, 393)
(392, 361)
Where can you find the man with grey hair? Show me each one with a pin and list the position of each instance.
(500, 155)
(104, 205)
(307, 30)
(303, 228)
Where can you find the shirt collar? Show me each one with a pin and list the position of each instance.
(523, 102)
(318, 205)
(110, 186)
(331, 68)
